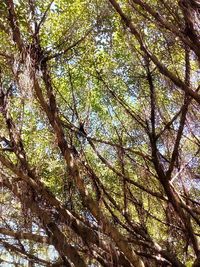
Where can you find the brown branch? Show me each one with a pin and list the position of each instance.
(42, 20)
(12, 17)
(184, 111)
(21, 252)
(22, 235)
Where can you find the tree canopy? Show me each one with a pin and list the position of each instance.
(100, 133)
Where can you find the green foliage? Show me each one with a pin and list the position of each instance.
(106, 79)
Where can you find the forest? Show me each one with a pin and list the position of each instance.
(100, 133)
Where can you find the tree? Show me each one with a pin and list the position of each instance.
(99, 110)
